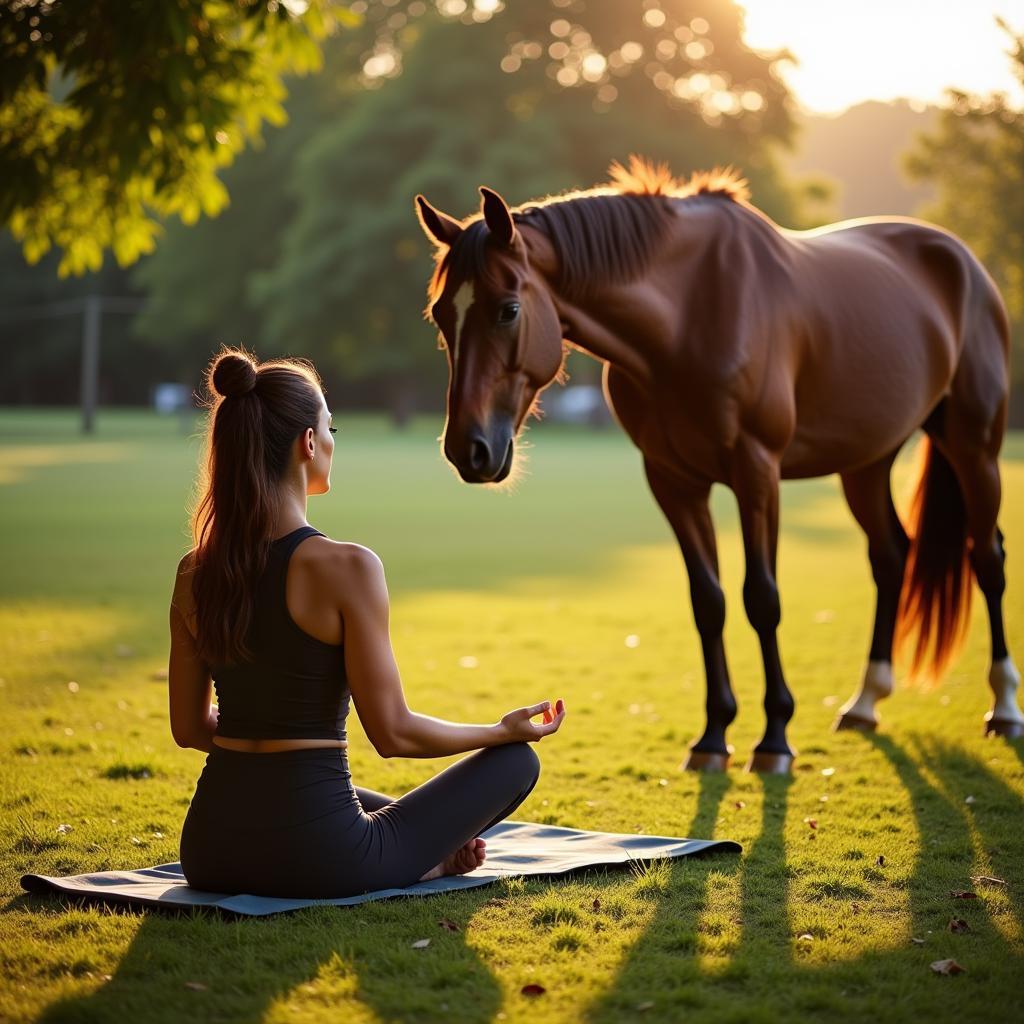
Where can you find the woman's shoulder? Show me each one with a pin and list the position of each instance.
(182, 597)
(187, 563)
(344, 555)
(347, 568)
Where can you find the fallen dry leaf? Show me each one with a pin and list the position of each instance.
(642, 1007)
(957, 925)
(946, 967)
(812, 822)
(806, 937)
(740, 804)
(917, 942)
(987, 880)
(195, 986)
(421, 944)
(533, 989)
(596, 905)
(969, 800)
(450, 925)
(964, 894)
(63, 830)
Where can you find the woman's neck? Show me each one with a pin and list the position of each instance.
(291, 509)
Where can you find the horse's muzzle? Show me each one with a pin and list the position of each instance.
(485, 462)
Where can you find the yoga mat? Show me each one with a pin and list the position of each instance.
(513, 848)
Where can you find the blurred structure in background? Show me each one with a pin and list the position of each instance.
(577, 403)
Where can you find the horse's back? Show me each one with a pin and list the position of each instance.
(963, 308)
(935, 267)
(893, 314)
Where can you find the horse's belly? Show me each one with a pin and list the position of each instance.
(809, 457)
(855, 418)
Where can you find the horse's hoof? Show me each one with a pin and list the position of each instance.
(706, 761)
(1007, 727)
(767, 763)
(849, 721)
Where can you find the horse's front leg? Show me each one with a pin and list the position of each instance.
(686, 508)
(756, 485)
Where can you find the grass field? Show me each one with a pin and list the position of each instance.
(540, 586)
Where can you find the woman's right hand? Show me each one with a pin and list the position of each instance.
(517, 725)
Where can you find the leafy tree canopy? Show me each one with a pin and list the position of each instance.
(114, 113)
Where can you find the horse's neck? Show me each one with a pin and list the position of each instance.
(629, 324)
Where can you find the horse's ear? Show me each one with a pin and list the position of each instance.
(438, 226)
(497, 216)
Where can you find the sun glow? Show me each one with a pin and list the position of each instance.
(884, 49)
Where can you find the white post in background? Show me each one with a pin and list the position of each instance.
(90, 361)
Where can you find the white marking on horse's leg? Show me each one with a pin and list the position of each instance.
(464, 298)
(876, 685)
(1004, 679)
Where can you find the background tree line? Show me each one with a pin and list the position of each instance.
(314, 248)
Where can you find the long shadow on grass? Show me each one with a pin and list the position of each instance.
(662, 966)
(1016, 748)
(201, 966)
(995, 817)
(772, 974)
(764, 893)
(895, 983)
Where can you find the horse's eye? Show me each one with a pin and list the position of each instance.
(508, 313)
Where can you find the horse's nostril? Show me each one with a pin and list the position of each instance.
(479, 454)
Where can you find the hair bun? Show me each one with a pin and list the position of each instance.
(233, 374)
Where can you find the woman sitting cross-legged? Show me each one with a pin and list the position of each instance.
(287, 625)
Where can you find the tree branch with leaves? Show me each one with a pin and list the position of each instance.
(117, 113)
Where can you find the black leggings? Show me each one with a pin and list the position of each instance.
(291, 824)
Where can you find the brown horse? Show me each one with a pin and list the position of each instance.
(741, 353)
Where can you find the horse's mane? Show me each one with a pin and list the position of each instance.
(600, 234)
(643, 177)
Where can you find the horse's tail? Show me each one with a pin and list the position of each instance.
(935, 600)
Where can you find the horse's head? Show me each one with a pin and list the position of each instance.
(500, 329)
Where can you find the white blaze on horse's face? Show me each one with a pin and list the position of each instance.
(464, 298)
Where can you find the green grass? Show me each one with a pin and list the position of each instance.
(541, 586)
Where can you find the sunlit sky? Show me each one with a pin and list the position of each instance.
(855, 50)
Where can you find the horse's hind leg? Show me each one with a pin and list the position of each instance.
(869, 496)
(977, 469)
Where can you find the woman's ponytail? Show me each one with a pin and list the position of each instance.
(256, 413)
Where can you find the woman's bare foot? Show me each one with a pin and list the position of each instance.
(465, 859)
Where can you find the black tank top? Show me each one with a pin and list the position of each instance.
(295, 686)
